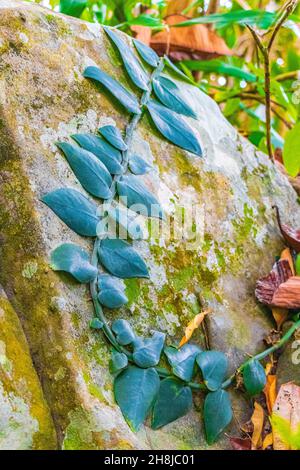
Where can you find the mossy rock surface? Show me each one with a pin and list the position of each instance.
(44, 98)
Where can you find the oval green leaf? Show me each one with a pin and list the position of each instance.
(172, 126)
(146, 352)
(135, 392)
(74, 209)
(132, 65)
(123, 331)
(127, 99)
(138, 166)
(96, 324)
(72, 7)
(121, 259)
(107, 154)
(183, 360)
(254, 377)
(111, 291)
(137, 197)
(118, 362)
(291, 151)
(217, 414)
(74, 260)
(213, 365)
(171, 96)
(174, 401)
(113, 136)
(146, 53)
(89, 170)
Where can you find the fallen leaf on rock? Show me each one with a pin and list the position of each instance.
(286, 418)
(268, 441)
(191, 327)
(267, 286)
(257, 420)
(286, 254)
(238, 443)
(281, 314)
(270, 392)
(291, 235)
(288, 294)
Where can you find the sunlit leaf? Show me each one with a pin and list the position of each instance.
(135, 392)
(121, 259)
(172, 126)
(291, 151)
(133, 66)
(74, 260)
(220, 67)
(286, 418)
(89, 170)
(174, 400)
(127, 99)
(72, 7)
(74, 209)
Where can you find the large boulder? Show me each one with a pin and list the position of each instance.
(44, 98)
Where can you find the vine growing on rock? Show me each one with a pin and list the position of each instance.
(108, 170)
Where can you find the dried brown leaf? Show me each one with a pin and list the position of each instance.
(291, 235)
(286, 418)
(288, 294)
(191, 327)
(238, 443)
(268, 441)
(270, 392)
(268, 285)
(257, 420)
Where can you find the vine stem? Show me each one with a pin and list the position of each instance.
(94, 261)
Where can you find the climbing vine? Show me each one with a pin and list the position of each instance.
(108, 170)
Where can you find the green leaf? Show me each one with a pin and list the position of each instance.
(113, 135)
(127, 99)
(171, 96)
(133, 66)
(111, 291)
(172, 126)
(174, 401)
(254, 377)
(135, 193)
(218, 66)
(72, 7)
(118, 362)
(74, 209)
(89, 170)
(146, 352)
(183, 360)
(146, 53)
(146, 20)
(217, 414)
(107, 154)
(121, 259)
(74, 260)
(297, 265)
(213, 365)
(138, 166)
(96, 324)
(126, 222)
(291, 151)
(232, 106)
(123, 331)
(177, 71)
(261, 19)
(135, 392)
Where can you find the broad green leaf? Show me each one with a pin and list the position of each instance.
(213, 365)
(146, 20)
(172, 126)
(121, 259)
(138, 198)
(183, 360)
(218, 66)
(113, 136)
(262, 19)
(254, 377)
(74, 209)
(89, 170)
(135, 392)
(72, 7)
(217, 414)
(177, 71)
(107, 154)
(146, 53)
(126, 222)
(231, 107)
(171, 96)
(138, 166)
(291, 151)
(123, 331)
(174, 401)
(74, 260)
(127, 99)
(96, 324)
(118, 362)
(111, 291)
(146, 352)
(133, 66)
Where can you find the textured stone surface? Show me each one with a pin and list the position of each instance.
(43, 98)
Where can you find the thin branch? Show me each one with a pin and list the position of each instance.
(288, 10)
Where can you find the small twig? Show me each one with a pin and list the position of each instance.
(287, 11)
